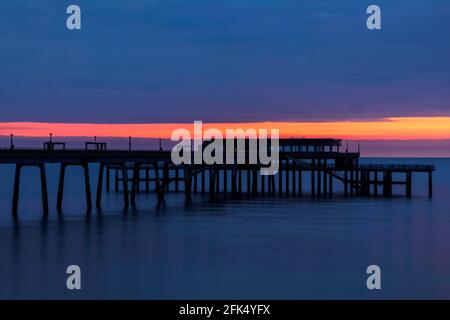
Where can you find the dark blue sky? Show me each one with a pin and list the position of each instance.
(222, 60)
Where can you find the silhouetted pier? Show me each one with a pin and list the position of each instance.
(317, 164)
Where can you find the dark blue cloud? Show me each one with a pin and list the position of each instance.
(223, 60)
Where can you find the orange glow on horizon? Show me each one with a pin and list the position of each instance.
(400, 128)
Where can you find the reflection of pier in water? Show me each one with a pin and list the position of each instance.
(317, 162)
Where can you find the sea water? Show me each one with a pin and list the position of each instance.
(264, 247)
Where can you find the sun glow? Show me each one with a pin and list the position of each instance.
(401, 128)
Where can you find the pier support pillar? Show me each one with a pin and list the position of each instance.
(116, 180)
(294, 177)
(125, 185)
(212, 181)
(161, 187)
(408, 184)
(135, 183)
(387, 184)
(225, 180)
(147, 180)
(352, 181)
(108, 178)
(249, 187)
(300, 182)
(313, 178)
(217, 177)
(15, 202)
(263, 184)
(346, 182)
(272, 182)
(319, 177)
(255, 182)
(233, 180)
(44, 193)
(195, 172)
(330, 182)
(177, 178)
(239, 181)
(375, 183)
(62, 171)
(187, 182)
(280, 178)
(287, 176)
(87, 185)
(98, 199)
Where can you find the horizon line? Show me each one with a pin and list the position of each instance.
(392, 128)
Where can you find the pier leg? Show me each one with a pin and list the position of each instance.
(15, 202)
(249, 187)
(300, 182)
(233, 180)
(330, 182)
(195, 179)
(368, 180)
(135, 182)
(44, 192)
(239, 181)
(263, 184)
(125, 185)
(212, 182)
(346, 182)
(116, 180)
(98, 199)
(272, 179)
(387, 184)
(325, 178)
(217, 176)
(108, 177)
(147, 180)
(165, 182)
(255, 181)
(157, 183)
(177, 177)
(313, 178)
(203, 179)
(62, 173)
(319, 177)
(352, 181)
(225, 180)
(375, 183)
(287, 176)
(408, 184)
(187, 182)
(363, 183)
(87, 185)
(280, 178)
(294, 178)
(166, 176)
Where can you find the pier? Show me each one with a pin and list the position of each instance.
(318, 164)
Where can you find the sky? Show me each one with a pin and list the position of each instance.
(225, 61)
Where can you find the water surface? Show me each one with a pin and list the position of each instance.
(267, 247)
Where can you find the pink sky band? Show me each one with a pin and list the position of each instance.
(400, 128)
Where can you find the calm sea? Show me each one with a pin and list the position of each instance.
(267, 247)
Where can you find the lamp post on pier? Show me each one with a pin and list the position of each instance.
(12, 142)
